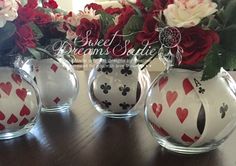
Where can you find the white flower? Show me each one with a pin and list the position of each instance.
(89, 14)
(188, 13)
(70, 35)
(8, 11)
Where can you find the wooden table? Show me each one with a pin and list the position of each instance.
(83, 137)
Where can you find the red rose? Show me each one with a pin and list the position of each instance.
(25, 38)
(125, 15)
(148, 33)
(161, 4)
(50, 4)
(196, 44)
(41, 18)
(118, 47)
(25, 15)
(94, 6)
(89, 30)
(113, 11)
(32, 4)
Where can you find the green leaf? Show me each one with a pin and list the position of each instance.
(228, 38)
(229, 60)
(213, 63)
(7, 31)
(106, 20)
(147, 3)
(133, 26)
(36, 54)
(230, 13)
(38, 33)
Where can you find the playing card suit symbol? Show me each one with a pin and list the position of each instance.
(54, 68)
(188, 87)
(160, 130)
(162, 83)
(24, 111)
(157, 109)
(57, 100)
(2, 127)
(21, 93)
(2, 116)
(17, 78)
(187, 139)
(6, 87)
(171, 97)
(12, 119)
(182, 114)
(24, 122)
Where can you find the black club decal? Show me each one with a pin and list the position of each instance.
(201, 90)
(223, 110)
(124, 106)
(107, 69)
(126, 71)
(105, 87)
(124, 90)
(106, 103)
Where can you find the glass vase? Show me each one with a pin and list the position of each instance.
(19, 102)
(57, 82)
(117, 88)
(187, 115)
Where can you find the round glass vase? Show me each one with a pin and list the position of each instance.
(117, 88)
(57, 82)
(19, 102)
(187, 115)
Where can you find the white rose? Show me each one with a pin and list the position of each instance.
(8, 11)
(188, 13)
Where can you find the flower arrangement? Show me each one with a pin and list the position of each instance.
(207, 31)
(26, 28)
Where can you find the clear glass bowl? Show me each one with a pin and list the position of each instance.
(57, 82)
(187, 115)
(19, 103)
(117, 88)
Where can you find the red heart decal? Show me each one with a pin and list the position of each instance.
(160, 130)
(162, 83)
(2, 127)
(186, 138)
(24, 122)
(21, 93)
(182, 114)
(6, 87)
(24, 111)
(157, 109)
(2, 116)
(54, 68)
(57, 100)
(12, 119)
(188, 87)
(171, 97)
(17, 78)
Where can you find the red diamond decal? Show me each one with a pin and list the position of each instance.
(54, 68)
(57, 100)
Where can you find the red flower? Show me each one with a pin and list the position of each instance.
(161, 4)
(25, 38)
(41, 18)
(94, 6)
(196, 44)
(118, 47)
(50, 4)
(148, 33)
(25, 15)
(32, 4)
(124, 17)
(113, 11)
(89, 30)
